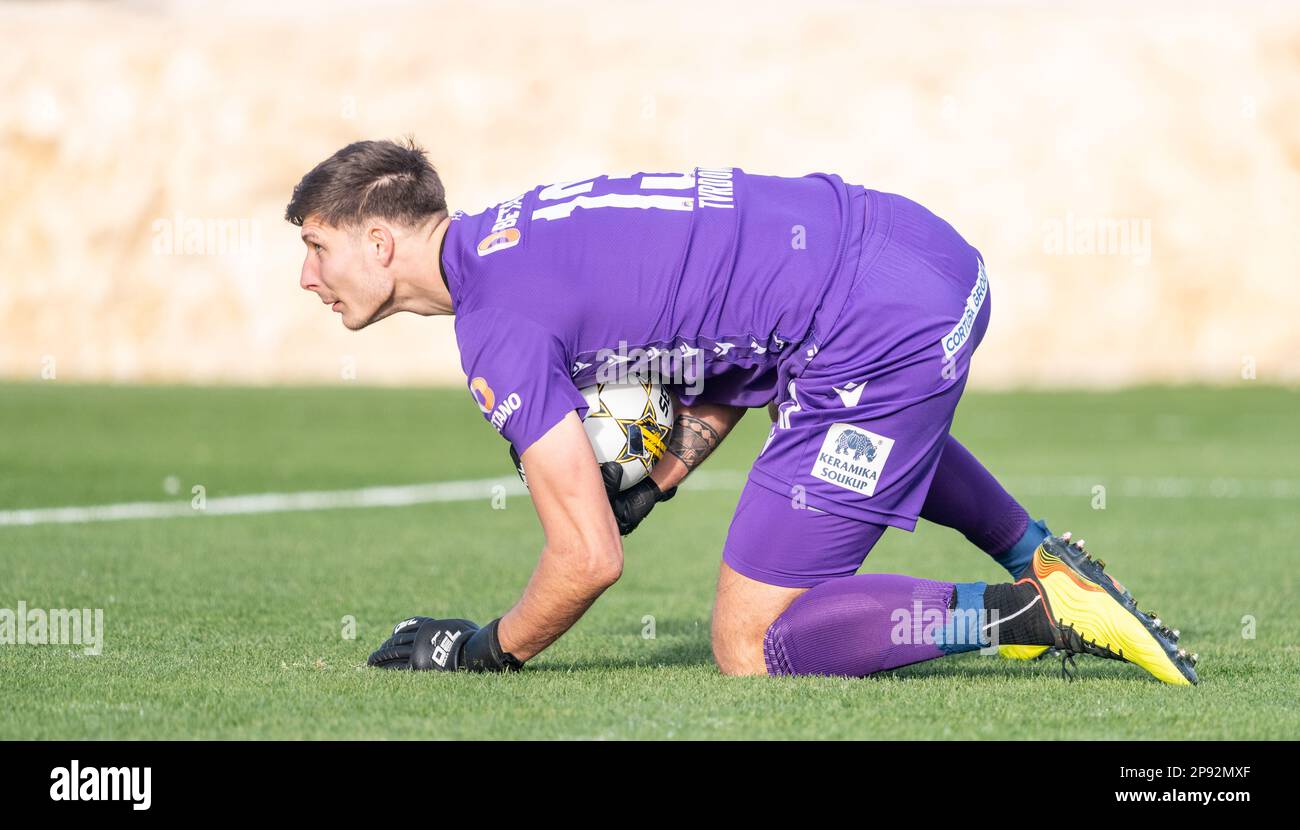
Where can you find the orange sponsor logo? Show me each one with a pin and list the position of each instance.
(483, 395)
(499, 241)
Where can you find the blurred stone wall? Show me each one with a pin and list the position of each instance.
(1131, 176)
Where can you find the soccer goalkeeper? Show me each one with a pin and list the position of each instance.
(853, 313)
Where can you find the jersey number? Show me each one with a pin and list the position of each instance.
(568, 196)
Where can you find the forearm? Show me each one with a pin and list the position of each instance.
(697, 431)
(558, 594)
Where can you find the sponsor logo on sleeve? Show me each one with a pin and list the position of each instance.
(852, 458)
(504, 233)
(497, 413)
(499, 241)
(483, 396)
(505, 409)
(955, 339)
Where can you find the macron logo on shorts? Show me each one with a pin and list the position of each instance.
(852, 458)
(955, 339)
(851, 394)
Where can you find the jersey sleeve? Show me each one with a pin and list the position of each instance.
(518, 374)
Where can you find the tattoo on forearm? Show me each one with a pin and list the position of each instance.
(692, 440)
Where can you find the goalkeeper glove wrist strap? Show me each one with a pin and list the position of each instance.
(483, 651)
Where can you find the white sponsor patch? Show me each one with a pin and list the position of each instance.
(852, 458)
(955, 339)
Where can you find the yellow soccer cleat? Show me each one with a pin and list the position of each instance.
(1091, 613)
(1022, 652)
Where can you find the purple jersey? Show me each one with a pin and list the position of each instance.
(706, 278)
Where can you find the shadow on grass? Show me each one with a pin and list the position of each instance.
(690, 652)
(678, 642)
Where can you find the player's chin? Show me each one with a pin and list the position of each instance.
(354, 322)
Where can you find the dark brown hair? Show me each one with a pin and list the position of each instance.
(370, 179)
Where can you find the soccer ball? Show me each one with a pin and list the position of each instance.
(627, 423)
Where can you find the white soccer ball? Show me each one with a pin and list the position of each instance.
(627, 423)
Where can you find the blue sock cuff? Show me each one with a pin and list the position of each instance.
(1017, 557)
(962, 631)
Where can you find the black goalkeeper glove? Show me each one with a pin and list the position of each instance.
(423, 643)
(632, 505)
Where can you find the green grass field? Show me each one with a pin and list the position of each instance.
(232, 626)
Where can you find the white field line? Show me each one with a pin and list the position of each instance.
(474, 489)
(396, 496)
(1167, 487)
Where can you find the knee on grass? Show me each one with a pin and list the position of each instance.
(739, 654)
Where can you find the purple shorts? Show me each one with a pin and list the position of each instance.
(865, 404)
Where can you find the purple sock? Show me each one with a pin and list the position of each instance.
(858, 625)
(967, 498)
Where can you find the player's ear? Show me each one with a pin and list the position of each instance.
(380, 242)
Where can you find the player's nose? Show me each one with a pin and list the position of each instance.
(307, 279)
